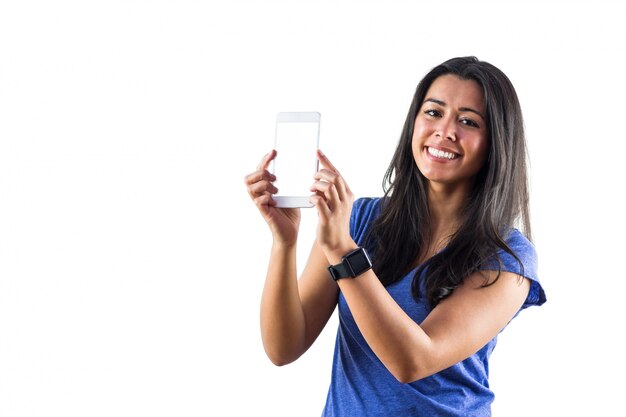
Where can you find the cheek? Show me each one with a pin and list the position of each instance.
(419, 130)
(414, 142)
(418, 138)
(416, 147)
(479, 150)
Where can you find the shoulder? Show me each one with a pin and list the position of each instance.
(523, 261)
(525, 250)
(364, 211)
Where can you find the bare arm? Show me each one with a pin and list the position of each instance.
(458, 327)
(293, 312)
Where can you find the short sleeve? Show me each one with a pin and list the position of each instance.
(525, 251)
(364, 212)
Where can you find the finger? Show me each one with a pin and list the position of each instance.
(265, 161)
(264, 201)
(261, 187)
(322, 208)
(334, 178)
(325, 161)
(344, 189)
(327, 175)
(260, 175)
(328, 190)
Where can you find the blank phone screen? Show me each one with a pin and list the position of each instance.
(296, 160)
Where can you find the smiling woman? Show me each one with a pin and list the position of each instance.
(425, 277)
(449, 145)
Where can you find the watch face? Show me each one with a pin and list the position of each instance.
(358, 261)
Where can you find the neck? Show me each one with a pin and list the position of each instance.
(446, 205)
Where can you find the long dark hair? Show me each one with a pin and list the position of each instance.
(498, 202)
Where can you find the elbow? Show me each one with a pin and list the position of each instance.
(403, 379)
(280, 358)
(282, 347)
(405, 374)
(406, 377)
(412, 366)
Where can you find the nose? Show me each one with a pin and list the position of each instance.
(447, 129)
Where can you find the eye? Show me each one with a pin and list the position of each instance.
(432, 113)
(469, 122)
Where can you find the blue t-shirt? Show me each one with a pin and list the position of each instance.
(361, 385)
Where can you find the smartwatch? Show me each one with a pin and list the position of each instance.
(352, 265)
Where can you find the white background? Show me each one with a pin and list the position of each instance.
(132, 261)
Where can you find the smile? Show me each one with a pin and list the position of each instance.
(441, 154)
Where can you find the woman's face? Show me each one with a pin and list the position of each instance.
(450, 139)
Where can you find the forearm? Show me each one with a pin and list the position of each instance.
(282, 316)
(401, 345)
(458, 327)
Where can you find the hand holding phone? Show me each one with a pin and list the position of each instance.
(296, 143)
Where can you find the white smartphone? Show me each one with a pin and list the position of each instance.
(296, 143)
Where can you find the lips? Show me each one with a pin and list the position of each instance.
(438, 153)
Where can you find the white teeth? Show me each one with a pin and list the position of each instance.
(441, 154)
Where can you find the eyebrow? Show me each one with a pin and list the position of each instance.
(463, 109)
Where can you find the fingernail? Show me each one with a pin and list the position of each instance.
(321, 153)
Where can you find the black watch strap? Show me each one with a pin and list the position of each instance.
(352, 265)
(338, 271)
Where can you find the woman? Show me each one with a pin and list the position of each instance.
(450, 270)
